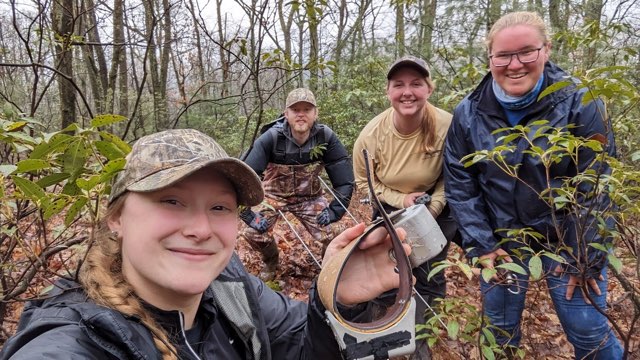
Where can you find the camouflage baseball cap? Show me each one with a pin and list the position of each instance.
(409, 61)
(161, 159)
(299, 95)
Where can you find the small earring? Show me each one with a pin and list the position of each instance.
(114, 234)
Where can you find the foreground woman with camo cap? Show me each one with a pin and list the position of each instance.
(162, 281)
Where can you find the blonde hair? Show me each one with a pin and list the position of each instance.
(528, 18)
(102, 278)
(428, 125)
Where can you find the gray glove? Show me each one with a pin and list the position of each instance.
(326, 217)
(254, 220)
(424, 199)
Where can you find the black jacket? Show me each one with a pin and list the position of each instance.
(335, 157)
(483, 197)
(69, 326)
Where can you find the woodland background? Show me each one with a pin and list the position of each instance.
(77, 76)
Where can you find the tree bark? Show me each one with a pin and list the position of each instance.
(63, 22)
(493, 12)
(400, 34)
(427, 22)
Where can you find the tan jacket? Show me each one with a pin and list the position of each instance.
(400, 164)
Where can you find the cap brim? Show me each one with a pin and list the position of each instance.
(299, 101)
(244, 179)
(407, 63)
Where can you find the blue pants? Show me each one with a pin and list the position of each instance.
(587, 330)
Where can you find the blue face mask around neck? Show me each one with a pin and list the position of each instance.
(517, 102)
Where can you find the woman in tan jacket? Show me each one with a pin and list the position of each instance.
(406, 142)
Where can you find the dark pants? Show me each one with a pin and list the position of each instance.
(436, 287)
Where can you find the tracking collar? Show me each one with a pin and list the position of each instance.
(394, 333)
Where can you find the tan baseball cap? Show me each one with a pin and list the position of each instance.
(164, 158)
(409, 61)
(299, 95)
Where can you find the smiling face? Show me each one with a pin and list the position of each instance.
(176, 240)
(408, 92)
(517, 78)
(301, 117)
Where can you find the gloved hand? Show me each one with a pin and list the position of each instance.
(255, 220)
(423, 199)
(326, 217)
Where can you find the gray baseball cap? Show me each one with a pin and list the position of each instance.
(409, 61)
(300, 95)
(164, 158)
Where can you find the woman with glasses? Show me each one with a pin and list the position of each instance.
(486, 201)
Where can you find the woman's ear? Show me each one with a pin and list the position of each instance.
(114, 223)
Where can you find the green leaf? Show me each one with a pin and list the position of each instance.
(615, 263)
(75, 156)
(466, 269)
(55, 207)
(554, 87)
(114, 166)
(453, 327)
(635, 156)
(46, 289)
(107, 119)
(436, 270)
(513, 267)
(7, 169)
(32, 165)
(71, 188)
(123, 146)
(598, 246)
(88, 184)
(535, 267)
(488, 353)
(18, 125)
(557, 258)
(109, 150)
(56, 142)
(28, 188)
(74, 209)
(52, 179)
(487, 274)
(22, 137)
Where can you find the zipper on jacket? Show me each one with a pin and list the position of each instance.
(184, 336)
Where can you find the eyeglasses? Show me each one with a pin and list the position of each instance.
(524, 56)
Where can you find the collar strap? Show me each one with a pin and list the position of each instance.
(398, 319)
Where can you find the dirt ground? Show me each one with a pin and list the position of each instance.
(543, 337)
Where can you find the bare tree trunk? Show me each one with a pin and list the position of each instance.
(63, 24)
(199, 60)
(559, 17)
(93, 55)
(344, 38)
(493, 12)
(592, 15)
(285, 25)
(118, 69)
(427, 22)
(314, 42)
(400, 35)
(157, 72)
(88, 56)
(224, 57)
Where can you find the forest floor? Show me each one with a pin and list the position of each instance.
(542, 339)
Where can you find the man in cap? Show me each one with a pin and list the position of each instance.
(289, 156)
